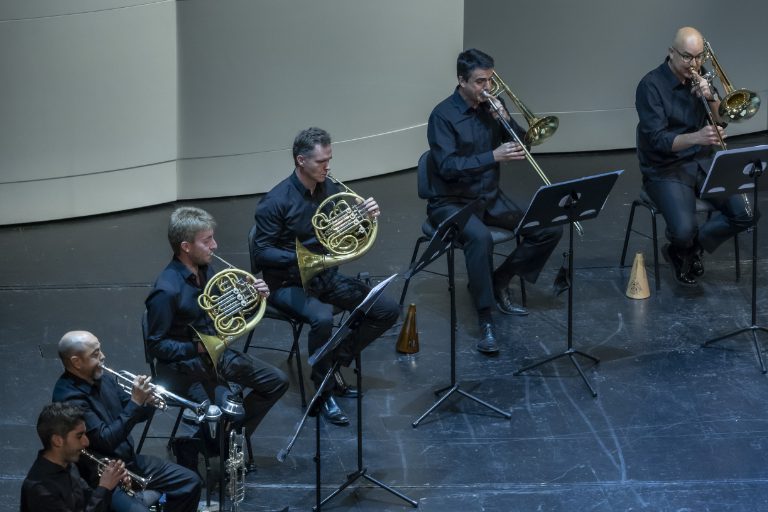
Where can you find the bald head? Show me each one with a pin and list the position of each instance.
(75, 343)
(688, 36)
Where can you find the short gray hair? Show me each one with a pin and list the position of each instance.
(185, 223)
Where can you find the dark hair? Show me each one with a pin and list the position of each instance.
(306, 140)
(58, 418)
(470, 60)
(185, 223)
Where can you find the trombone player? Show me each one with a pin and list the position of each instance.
(110, 415)
(284, 217)
(467, 145)
(675, 145)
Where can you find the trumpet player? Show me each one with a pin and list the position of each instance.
(467, 145)
(675, 145)
(173, 315)
(110, 415)
(284, 216)
(54, 483)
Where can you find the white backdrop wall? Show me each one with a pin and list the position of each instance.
(582, 60)
(114, 104)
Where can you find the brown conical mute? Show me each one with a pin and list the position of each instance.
(408, 340)
(637, 288)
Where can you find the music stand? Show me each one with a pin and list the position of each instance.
(350, 323)
(568, 202)
(737, 171)
(442, 242)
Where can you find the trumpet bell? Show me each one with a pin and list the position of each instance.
(739, 105)
(541, 129)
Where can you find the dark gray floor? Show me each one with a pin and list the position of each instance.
(674, 426)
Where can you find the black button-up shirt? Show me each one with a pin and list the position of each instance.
(667, 108)
(462, 140)
(172, 311)
(49, 487)
(283, 215)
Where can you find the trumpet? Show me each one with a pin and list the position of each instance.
(160, 395)
(500, 115)
(343, 228)
(139, 482)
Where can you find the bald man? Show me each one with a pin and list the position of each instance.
(675, 145)
(110, 414)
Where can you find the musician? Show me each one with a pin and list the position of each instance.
(110, 415)
(53, 484)
(675, 144)
(284, 215)
(173, 312)
(467, 146)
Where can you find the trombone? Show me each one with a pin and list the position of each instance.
(737, 105)
(540, 128)
(160, 395)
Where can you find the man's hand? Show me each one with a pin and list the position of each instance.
(141, 391)
(508, 151)
(113, 474)
(371, 207)
(261, 287)
(707, 136)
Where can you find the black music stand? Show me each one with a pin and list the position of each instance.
(568, 202)
(443, 241)
(350, 323)
(736, 171)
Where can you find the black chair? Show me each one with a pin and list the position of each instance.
(499, 235)
(275, 314)
(645, 201)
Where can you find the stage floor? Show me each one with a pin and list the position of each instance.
(674, 426)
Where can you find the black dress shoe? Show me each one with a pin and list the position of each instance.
(681, 270)
(697, 265)
(333, 413)
(487, 343)
(505, 304)
(342, 389)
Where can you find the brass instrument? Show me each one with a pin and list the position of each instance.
(229, 298)
(160, 395)
(140, 483)
(343, 228)
(539, 128)
(500, 115)
(736, 105)
(236, 469)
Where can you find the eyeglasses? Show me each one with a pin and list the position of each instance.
(687, 58)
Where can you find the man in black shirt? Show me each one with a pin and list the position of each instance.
(467, 145)
(285, 215)
(110, 415)
(53, 484)
(173, 316)
(675, 145)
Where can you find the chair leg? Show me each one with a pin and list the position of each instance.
(175, 427)
(296, 349)
(738, 258)
(145, 431)
(420, 241)
(626, 235)
(656, 275)
(248, 342)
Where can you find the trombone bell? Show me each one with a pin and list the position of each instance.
(539, 128)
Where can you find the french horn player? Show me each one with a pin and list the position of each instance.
(305, 227)
(680, 127)
(194, 312)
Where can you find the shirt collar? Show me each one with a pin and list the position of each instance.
(459, 103)
(669, 77)
(46, 467)
(304, 191)
(187, 274)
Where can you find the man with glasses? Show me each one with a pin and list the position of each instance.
(675, 144)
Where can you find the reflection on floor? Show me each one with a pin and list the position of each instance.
(674, 426)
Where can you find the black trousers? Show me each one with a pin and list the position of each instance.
(262, 383)
(315, 307)
(527, 260)
(181, 486)
(677, 203)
